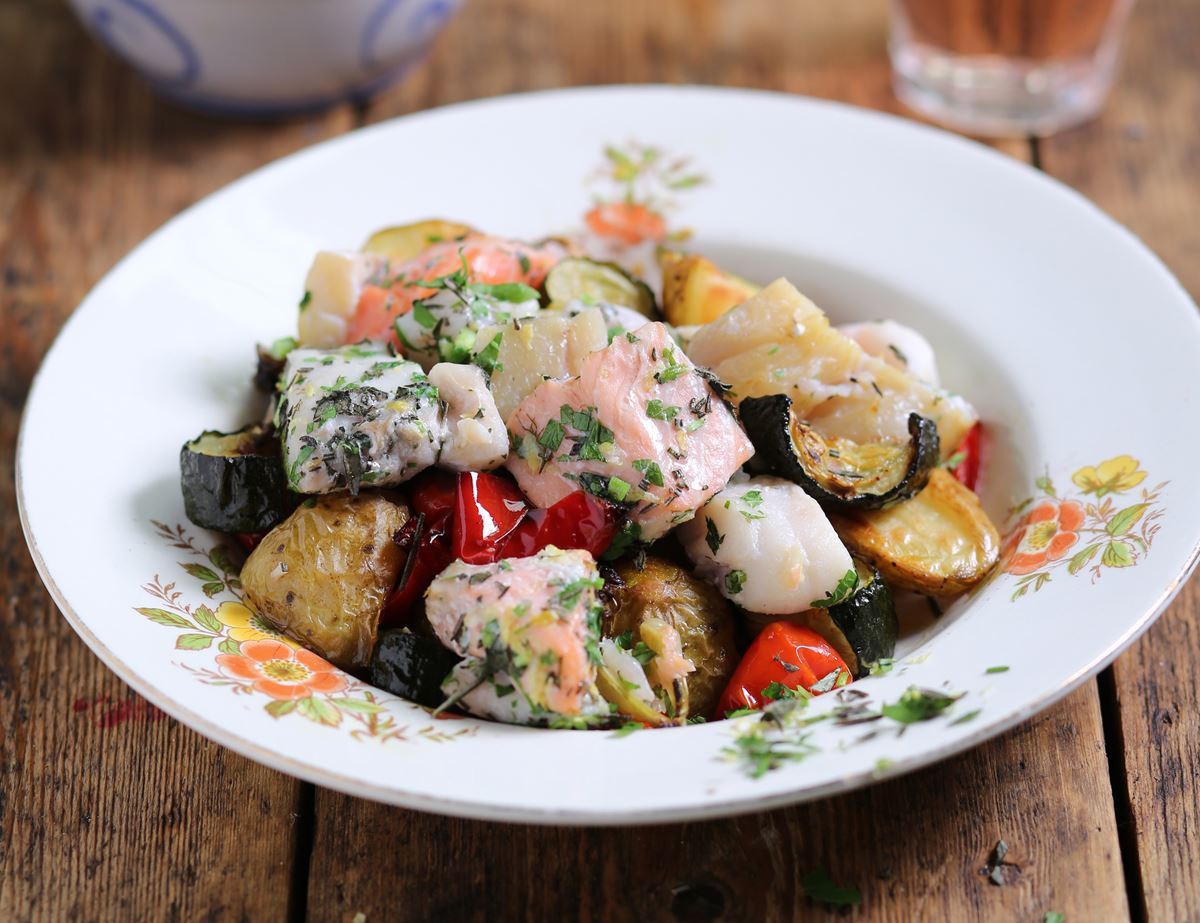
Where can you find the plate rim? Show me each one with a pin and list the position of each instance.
(492, 811)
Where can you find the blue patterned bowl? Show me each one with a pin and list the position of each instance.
(267, 57)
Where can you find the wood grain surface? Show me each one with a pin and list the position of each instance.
(111, 811)
(1141, 163)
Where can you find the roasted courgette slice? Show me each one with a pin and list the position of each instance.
(839, 473)
(235, 482)
(696, 290)
(412, 667)
(402, 243)
(939, 542)
(591, 281)
(862, 625)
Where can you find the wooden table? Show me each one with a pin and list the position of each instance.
(110, 811)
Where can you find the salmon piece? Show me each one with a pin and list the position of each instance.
(530, 630)
(492, 260)
(779, 342)
(640, 426)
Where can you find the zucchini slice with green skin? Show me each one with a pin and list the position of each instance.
(412, 667)
(235, 482)
(839, 473)
(862, 625)
(591, 281)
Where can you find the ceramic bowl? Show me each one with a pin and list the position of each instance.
(1072, 340)
(267, 57)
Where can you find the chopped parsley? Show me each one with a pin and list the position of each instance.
(657, 410)
(651, 471)
(552, 436)
(996, 670)
(712, 536)
(777, 691)
(882, 666)
(569, 595)
(845, 587)
(735, 580)
(819, 887)
(917, 704)
(673, 369)
(752, 498)
(423, 316)
(306, 300)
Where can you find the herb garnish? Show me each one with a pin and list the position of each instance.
(917, 704)
(882, 666)
(845, 587)
(819, 887)
(657, 410)
(651, 470)
(1000, 669)
(735, 580)
(712, 536)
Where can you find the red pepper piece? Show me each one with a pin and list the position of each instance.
(434, 493)
(430, 555)
(433, 496)
(578, 520)
(249, 540)
(967, 470)
(787, 654)
(487, 510)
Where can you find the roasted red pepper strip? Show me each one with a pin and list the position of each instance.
(433, 497)
(487, 510)
(578, 520)
(786, 654)
(249, 540)
(967, 470)
(430, 554)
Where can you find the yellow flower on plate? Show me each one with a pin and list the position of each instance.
(1113, 476)
(247, 625)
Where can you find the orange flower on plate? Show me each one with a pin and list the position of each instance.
(281, 672)
(627, 222)
(1044, 534)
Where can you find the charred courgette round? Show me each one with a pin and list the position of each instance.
(412, 667)
(839, 473)
(235, 482)
(576, 278)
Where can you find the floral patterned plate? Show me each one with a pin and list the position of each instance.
(1075, 343)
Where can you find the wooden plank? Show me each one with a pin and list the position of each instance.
(914, 846)
(108, 809)
(1139, 162)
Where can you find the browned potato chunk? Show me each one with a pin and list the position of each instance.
(324, 573)
(939, 542)
(700, 615)
(696, 291)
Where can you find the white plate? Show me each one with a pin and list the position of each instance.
(1075, 343)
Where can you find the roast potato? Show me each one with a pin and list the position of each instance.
(939, 542)
(324, 573)
(696, 291)
(701, 616)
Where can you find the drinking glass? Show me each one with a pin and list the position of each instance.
(1006, 67)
